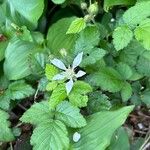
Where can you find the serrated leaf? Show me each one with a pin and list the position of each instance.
(142, 33)
(70, 115)
(51, 86)
(50, 135)
(58, 1)
(58, 95)
(97, 133)
(6, 134)
(77, 96)
(107, 78)
(137, 13)
(126, 92)
(37, 114)
(20, 90)
(122, 37)
(77, 26)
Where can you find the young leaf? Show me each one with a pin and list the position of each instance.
(6, 134)
(97, 133)
(142, 33)
(50, 135)
(70, 115)
(76, 26)
(38, 113)
(122, 37)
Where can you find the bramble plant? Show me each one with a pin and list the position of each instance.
(71, 73)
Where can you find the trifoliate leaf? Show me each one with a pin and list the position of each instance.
(70, 115)
(6, 134)
(59, 94)
(124, 70)
(126, 91)
(77, 26)
(38, 113)
(20, 90)
(77, 96)
(97, 133)
(137, 13)
(50, 135)
(58, 1)
(142, 33)
(122, 37)
(50, 71)
(107, 78)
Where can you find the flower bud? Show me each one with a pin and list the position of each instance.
(63, 52)
(93, 9)
(83, 5)
(87, 18)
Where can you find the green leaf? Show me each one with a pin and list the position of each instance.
(59, 94)
(57, 37)
(3, 46)
(16, 64)
(50, 135)
(109, 3)
(100, 127)
(70, 115)
(122, 37)
(137, 13)
(77, 26)
(30, 10)
(51, 85)
(124, 70)
(145, 97)
(78, 96)
(58, 1)
(20, 90)
(6, 133)
(126, 91)
(107, 78)
(37, 114)
(142, 33)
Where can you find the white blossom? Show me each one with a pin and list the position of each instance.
(76, 137)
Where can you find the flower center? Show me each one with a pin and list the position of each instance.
(69, 73)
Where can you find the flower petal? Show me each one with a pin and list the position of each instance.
(58, 63)
(77, 60)
(59, 77)
(80, 74)
(69, 86)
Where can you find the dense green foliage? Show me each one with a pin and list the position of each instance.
(82, 66)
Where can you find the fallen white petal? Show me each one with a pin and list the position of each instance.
(76, 137)
(77, 60)
(69, 86)
(58, 63)
(58, 77)
(80, 74)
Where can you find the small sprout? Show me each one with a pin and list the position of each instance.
(76, 137)
(83, 5)
(93, 9)
(68, 72)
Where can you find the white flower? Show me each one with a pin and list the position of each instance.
(76, 137)
(68, 72)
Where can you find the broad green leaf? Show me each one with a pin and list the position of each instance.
(76, 26)
(98, 102)
(16, 59)
(30, 10)
(107, 78)
(57, 38)
(20, 90)
(6, 134)
(142, 33)
(3, 46)
(109, 3)
(122, 37)
(70, 115)
(124, 70)
(58, 1)
(50, 135)
(50, 71)
(58, 95)
(120, 140)
(77, 96)
(37, 114)
(95, 55)
(145, 97)
(126, 91)
(137, 13)
(100, 127)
